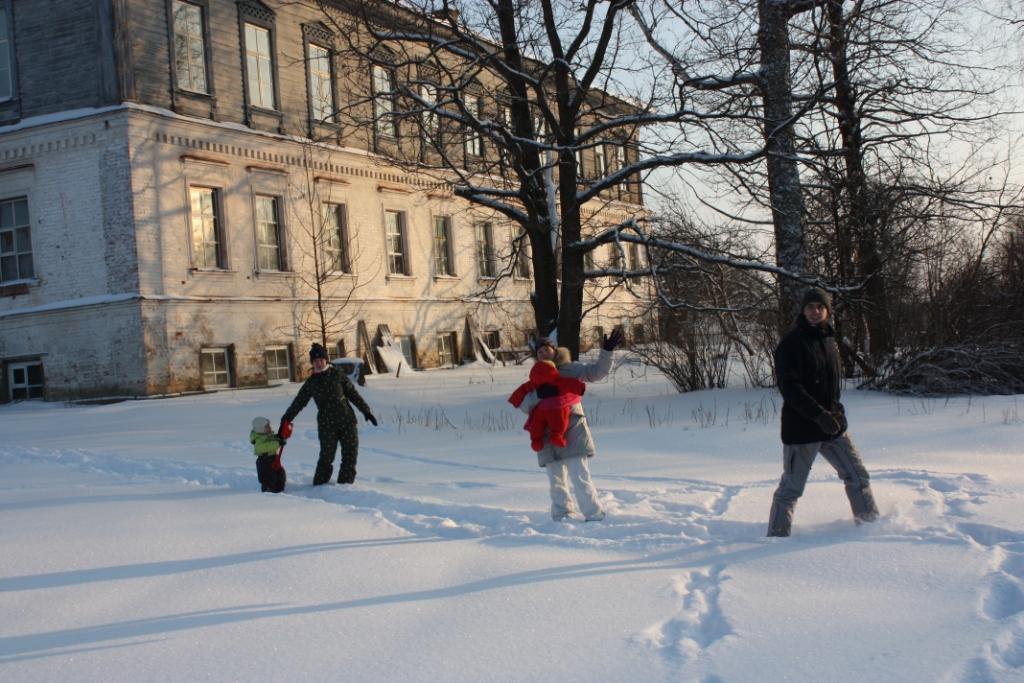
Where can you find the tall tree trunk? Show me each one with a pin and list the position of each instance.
(532, 192)
(783, 174)
(862, 211)
(571, 312)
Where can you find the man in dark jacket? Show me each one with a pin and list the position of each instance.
(336, 422)
(807, 368)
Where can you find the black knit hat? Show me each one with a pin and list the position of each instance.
(816, 295)
(318, 351)
(543, 341)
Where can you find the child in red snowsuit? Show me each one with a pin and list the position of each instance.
(551, 414)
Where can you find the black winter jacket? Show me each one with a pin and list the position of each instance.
(808, 371)
(331, 391)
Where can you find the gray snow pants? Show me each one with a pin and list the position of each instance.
(796, 462)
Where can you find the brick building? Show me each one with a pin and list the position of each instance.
(162, 209)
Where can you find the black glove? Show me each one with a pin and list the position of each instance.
(612, 340)
(371, 419)
(282, 441)
(828, 423)
(547, 391)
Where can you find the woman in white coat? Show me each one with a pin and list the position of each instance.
(570, 461)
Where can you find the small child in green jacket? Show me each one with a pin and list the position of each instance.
(268, 468)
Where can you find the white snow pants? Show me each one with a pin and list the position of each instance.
(559, 474)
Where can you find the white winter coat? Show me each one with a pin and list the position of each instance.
(578, 440)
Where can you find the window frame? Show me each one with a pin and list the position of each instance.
(407, 343)
(581, 167)
(278, 214)
(204, 17)
(430, 120)
(601, 161)
(521, 266)
(401, 225)
(8, 37)
(385, 121)
(620, 162)
(228, 370)
(484, 250)
(16, 253)
(329, 80)
(288, 365)
(443, 248)
(451, 352)
(221, 243)
(335, 350)
(473, 146)
(341, 232)
(27, 385)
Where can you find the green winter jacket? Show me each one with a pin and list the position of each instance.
(266, 444)
(331, 391)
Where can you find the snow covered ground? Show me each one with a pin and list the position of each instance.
(136, 545)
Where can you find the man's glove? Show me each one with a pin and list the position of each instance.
(547, 391)
(285, 432)
(828, 423)
(370, 418)
(612, 340)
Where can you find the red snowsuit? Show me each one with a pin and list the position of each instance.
(551, 414)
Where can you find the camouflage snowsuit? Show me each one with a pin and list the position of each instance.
(336, 422)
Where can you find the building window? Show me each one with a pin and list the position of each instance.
(493, 339)
(335, 239)
(407, 346)
(189, 47)
(431, 121)
(601, 161)
(443, 245)
(632, 256)
(620, 163)
(321, 93)
(616, 258)
(6, 58)
(215, 368)
(279, 365)
(474, 143)
(206, 230)
(15, 241)
(268, 233)
(446, 348)
(384, 102)
(394, 232)
(25, 380)
(484, 250)
(597, 337)
(578, 154)
(259, 66)
(521, 269)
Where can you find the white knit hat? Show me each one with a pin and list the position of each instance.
(260, 424)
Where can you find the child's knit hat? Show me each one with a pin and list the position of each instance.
(317, 351)
(260, 424)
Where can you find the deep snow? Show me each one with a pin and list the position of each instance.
(136, 544)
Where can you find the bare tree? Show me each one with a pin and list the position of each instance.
(327, 246)
(857, 107)
(533, 111)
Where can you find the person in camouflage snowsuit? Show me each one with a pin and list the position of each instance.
(336, 422)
